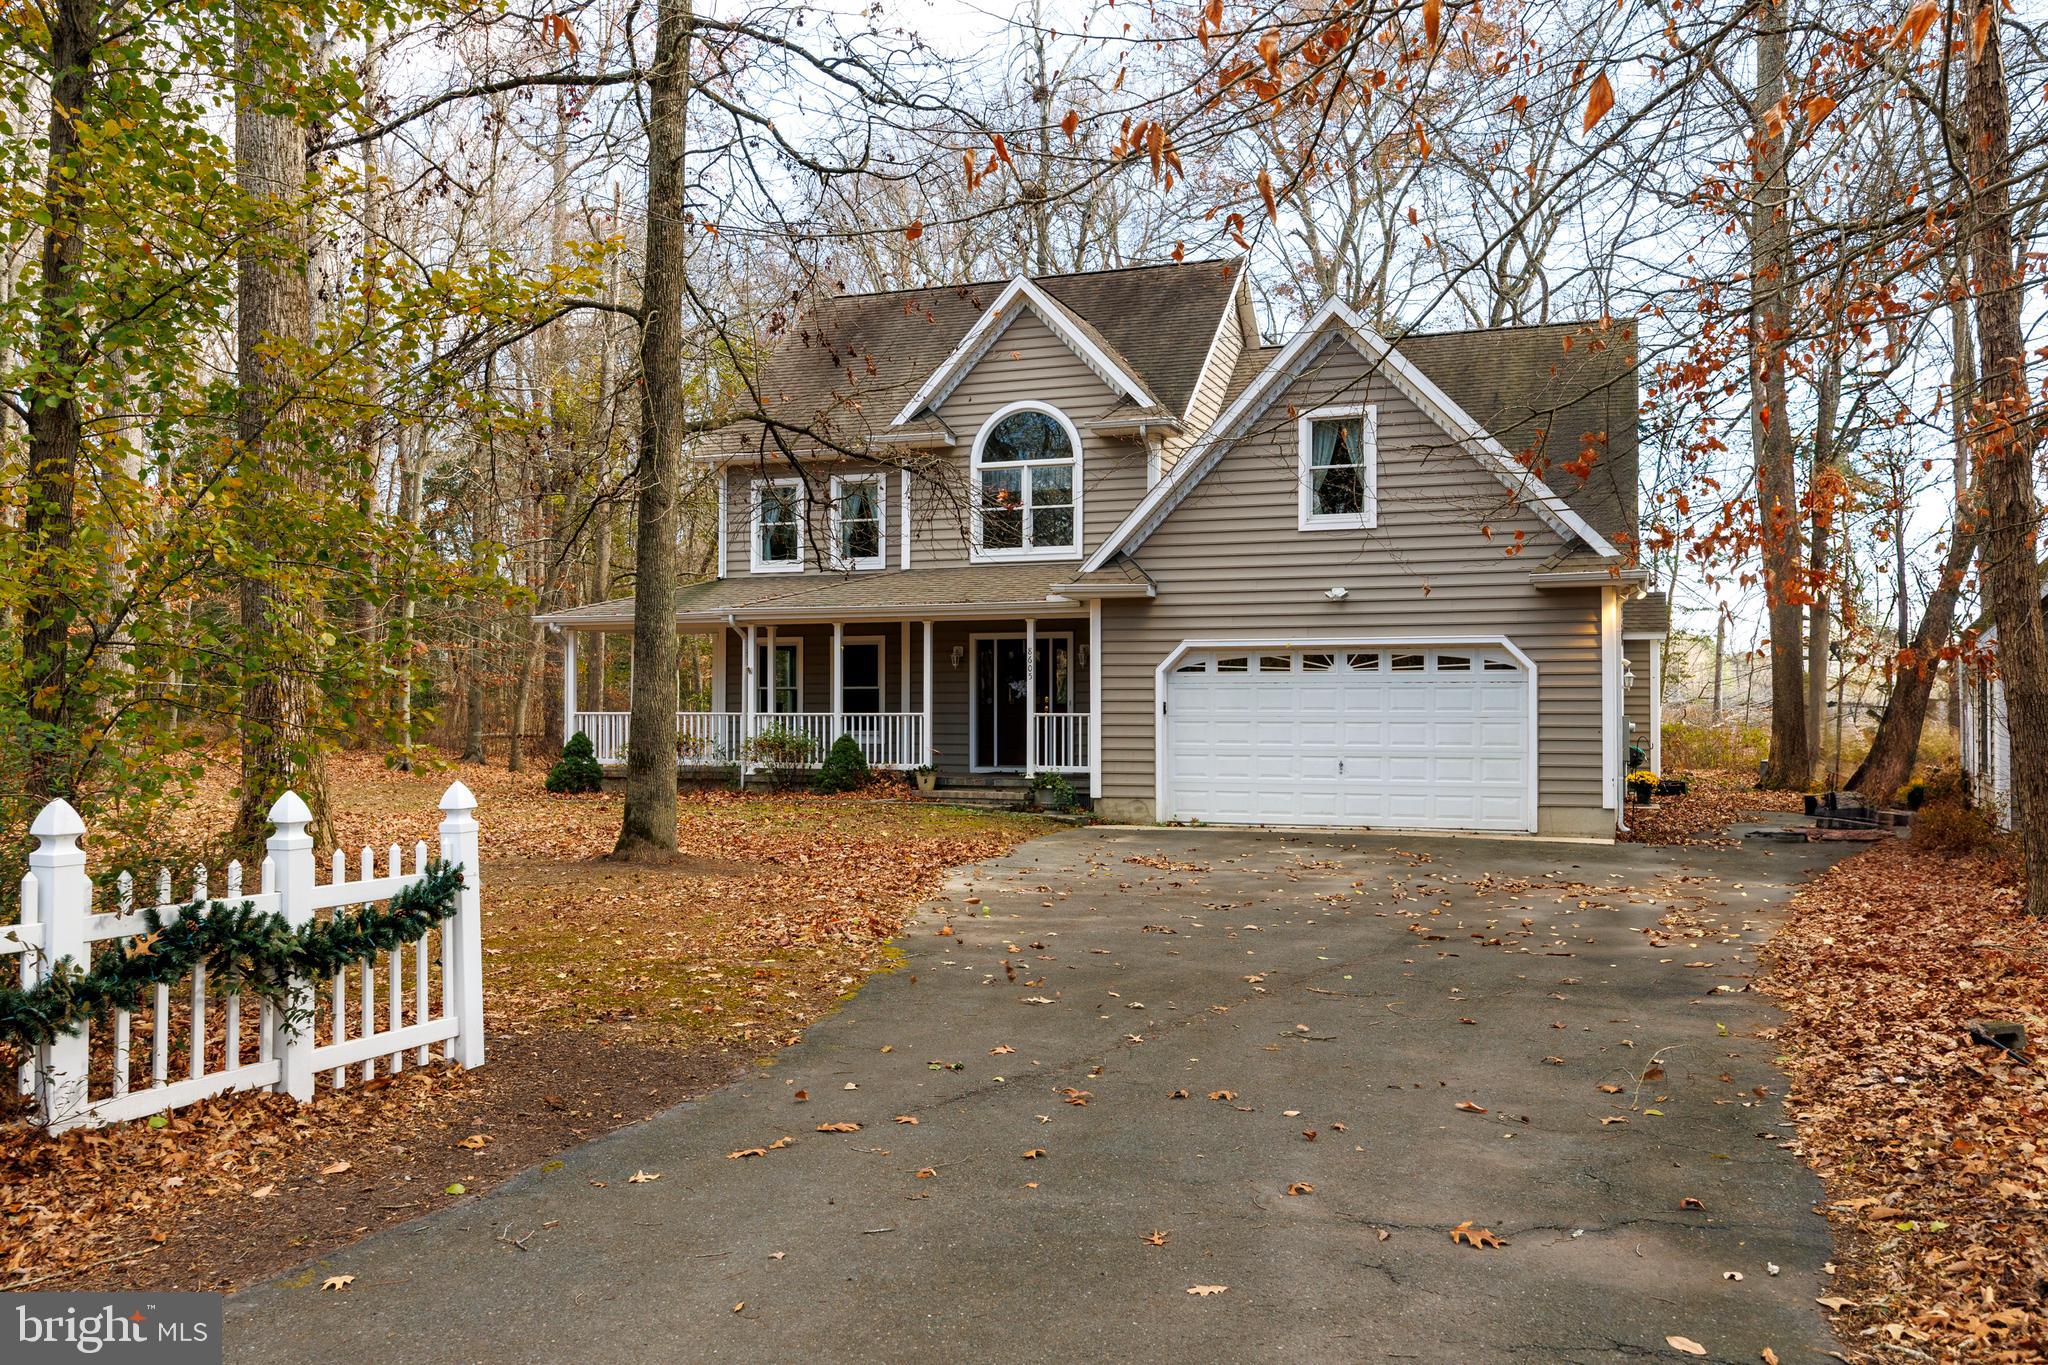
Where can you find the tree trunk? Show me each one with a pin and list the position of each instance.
(649, 825)
(1819, 491)
(273, 304)
(2004, 454)
(473, 704)
(55, 423)
(1777, 503)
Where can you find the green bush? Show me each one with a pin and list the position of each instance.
(577, 769)
(845, 767)
(1059, 793)
(782, 751)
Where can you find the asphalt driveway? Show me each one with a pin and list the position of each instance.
(1183, 1026)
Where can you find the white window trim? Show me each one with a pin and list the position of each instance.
(756, 564)
(979, 555)
(881, 644)
(764, 676)
(1366, 520)
(880, 559)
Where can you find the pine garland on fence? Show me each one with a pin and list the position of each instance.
(256, 953)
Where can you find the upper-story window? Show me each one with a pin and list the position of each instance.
(1028, 504)
(1339, 470)
(859, 533)
(777, 542)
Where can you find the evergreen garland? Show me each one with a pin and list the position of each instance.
(251, 952)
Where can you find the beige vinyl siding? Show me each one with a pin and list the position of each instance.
(952, 692)
(1229, 561)
(1027, 362)
(1207, 404)
(1635, 702)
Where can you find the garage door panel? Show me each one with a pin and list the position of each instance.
(1442, 742)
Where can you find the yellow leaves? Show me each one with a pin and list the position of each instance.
(1918, 21)
(839, 1128)
(1599, 100)
(337, 1282)
(1483, 1238)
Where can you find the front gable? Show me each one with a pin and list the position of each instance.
(1337, 360)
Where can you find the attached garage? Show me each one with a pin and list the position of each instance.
(1397, 736)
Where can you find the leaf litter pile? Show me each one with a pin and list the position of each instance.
(611, 991)
(1934, 1148)
(1713, 801)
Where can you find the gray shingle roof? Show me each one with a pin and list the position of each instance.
(1649, 614)
(907, 590)
(849, 363)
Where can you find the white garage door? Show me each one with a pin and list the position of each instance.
(1428, 737)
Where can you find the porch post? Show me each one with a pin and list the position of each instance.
(568, 683)
(1094, 698)
(748, 664)
(903, 692)
(927, 745)
(838, 676)
(1030, 695)
(770, 689)
(718, 645)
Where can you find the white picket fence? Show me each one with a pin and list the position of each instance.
(432, 998)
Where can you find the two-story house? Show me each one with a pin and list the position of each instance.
(1091, 523)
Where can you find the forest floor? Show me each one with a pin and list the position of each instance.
(1933, 1148)
(611, 992)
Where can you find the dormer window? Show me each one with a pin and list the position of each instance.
(1339, 470)
(858, 540)
(778, 538)
(1027, 503)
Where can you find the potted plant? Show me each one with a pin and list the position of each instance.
(1051, 791)
(1642, 785)
(927, 777)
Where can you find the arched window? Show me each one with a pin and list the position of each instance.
(1027, 485)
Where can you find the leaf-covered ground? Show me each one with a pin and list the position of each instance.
(1714, 799)
(610, 992)
(1934, 1149)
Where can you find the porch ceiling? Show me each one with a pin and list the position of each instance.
(960, 591)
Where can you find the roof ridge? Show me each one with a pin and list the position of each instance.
(1000, 281)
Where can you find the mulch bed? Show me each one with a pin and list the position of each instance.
(1713, 801)
(1934, 1149)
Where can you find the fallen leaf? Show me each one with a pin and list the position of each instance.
(926, 1173)
(801, 1095)
(1691, 1203)
(1685, 1344)
(1225, 1095)
(334, 1168)
(839, 1128)
(263, 1192)
(784, 1141)
(910, 1119)
(1001, 1050)
(1203, 1291)
(642, 1177)
(337, 1281)
(1768, 1356)
(1835, 1303)
(1034, 1154)
(475, 1142)
(1471, 1108)
(1156, 1238)
(1480, 1237)
(746, 1152)
(1301, 1187)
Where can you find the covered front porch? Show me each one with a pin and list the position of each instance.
(958, 696)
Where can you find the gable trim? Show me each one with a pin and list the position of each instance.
(983, 335)
(1228, 319)
(1283, 369)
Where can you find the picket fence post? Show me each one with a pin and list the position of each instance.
(63, 900)
(291, 858)
(459, 846)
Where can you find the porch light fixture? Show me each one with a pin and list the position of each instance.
(1338, 594)
(959, 652)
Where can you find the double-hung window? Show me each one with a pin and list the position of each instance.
(1026, 476)
(1339, 473)
(778, 532)
(859, 539)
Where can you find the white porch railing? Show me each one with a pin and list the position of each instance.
(184, 1043)
(889, 739)
(1063, 740)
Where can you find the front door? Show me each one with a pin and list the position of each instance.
(1000, 712)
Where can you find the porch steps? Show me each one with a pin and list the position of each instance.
(995, 791)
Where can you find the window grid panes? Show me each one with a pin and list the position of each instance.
(775, 525)
(860, 522)
(1026, 485)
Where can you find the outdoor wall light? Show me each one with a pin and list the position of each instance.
(959, 652)
(1338, 594)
